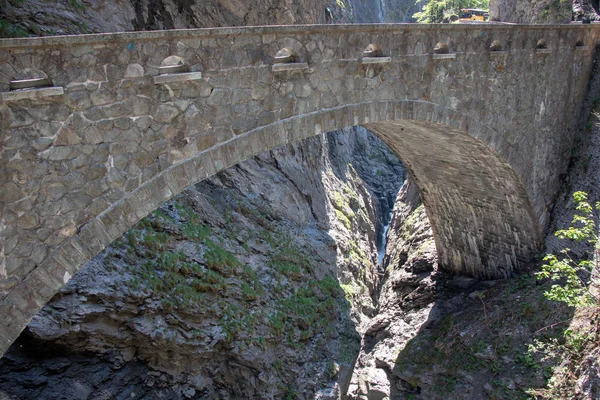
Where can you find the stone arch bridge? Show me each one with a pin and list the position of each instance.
(481, 115)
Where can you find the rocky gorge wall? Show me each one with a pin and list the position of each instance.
(44, 18)
(116, 331)
(531, 11)
(543, 11)
(254, 284)
(113, 333)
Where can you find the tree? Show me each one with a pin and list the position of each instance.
(574, 277)
(436, 11)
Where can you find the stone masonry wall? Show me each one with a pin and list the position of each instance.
(85, 159)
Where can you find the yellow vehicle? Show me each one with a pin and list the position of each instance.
(473, 14)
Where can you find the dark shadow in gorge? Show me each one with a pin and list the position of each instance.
(378, 166)
(474, 344)
(437, 336)
(129, 311)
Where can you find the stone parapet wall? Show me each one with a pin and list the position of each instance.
(109, 141)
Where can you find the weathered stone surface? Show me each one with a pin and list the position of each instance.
(306, 178)
(470, 185)
(116, 133)
(32, 94)
(182, 77)
(533, 11)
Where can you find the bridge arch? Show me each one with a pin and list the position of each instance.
(114, 138)
(484, 224)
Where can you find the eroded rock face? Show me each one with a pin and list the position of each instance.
(40, 17)
(531, 11)
(406, 299)
(254, 284)
(583, 9)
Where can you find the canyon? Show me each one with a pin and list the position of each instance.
(307, 271)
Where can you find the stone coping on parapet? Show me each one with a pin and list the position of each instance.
(448, 56)
(268, 29)
(178, 77)
(498, 54)
(375, 60)
(32, 94)
(297, 66)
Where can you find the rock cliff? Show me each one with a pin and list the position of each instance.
(532, 11)
(254, 284)
(406, 299)
(585, 9)
(43, 17)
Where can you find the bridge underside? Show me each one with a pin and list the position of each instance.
(483, 221)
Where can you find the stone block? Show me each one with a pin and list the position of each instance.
(180, 77)
(43, 274)
(38, 291)
(32, 94)
(189, 167)
(19, 306)
(14, 319)
(230, 154)
(143, 200)
(166, 113)
(244, 124)
(450, 56)
(5, 340)
(72, 256)
(177, 179)
(375, 60)
(295, 131)
(205, 167)
(114, 221)
(94, 236)
(271, 134)
(138, 207)
(289, 67)
(244, 147)
(159, 190)
(258, 141)
(500, 54)
(129, 213)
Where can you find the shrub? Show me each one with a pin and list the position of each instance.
(574, 276)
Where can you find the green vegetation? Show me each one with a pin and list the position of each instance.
(289, 261)
(349, 292)
(489, 340)
(345, 206)
(557, 6)
(343, 211)
(206, 278)
(573, 276)
(169, 275)
(307, 311)
(331, 370)
(9, 30)
(77, 5)
(575, 284)
(436, 11)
